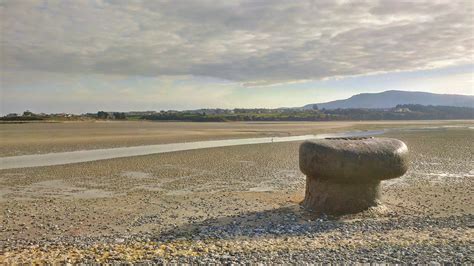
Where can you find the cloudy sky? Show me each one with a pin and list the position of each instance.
(82, 56)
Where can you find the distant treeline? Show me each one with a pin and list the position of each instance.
(22, 118)
(400, 112)
(404, 112)
(111, 115)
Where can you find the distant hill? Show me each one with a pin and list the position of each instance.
(390, 99)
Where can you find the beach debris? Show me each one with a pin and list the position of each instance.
(343, 175)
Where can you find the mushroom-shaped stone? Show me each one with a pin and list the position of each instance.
(344, 174)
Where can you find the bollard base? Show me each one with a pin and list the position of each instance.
(336, 199)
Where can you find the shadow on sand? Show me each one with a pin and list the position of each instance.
(285, 221)
(294, 221)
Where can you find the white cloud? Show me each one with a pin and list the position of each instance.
(461, 83)
(255, 42)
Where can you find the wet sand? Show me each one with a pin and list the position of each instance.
(59, 158)
(239, 204)
(39, 137)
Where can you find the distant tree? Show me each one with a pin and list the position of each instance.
(120, 116)
(28, 113)
(102, 115)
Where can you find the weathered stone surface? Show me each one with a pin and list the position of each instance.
(338, 198)
(354, 160)
(344, 174)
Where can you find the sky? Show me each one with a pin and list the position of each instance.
(84, 56)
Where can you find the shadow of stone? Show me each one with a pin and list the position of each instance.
(285, 221)
(290, 221)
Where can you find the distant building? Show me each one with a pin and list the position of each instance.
(62, 115)
(402, 110)
(138, 113)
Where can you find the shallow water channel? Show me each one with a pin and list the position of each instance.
(59, 158)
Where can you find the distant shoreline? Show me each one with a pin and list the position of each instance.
(400, 112)
(230, 122)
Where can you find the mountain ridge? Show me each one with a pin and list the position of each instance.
(391, 98)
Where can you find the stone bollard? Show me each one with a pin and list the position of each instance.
(343, 174)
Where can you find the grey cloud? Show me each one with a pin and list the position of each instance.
(245, 41)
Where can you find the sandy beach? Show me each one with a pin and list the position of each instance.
(228, 204)
(38, 138)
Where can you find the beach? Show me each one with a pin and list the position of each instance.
(228, 204)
